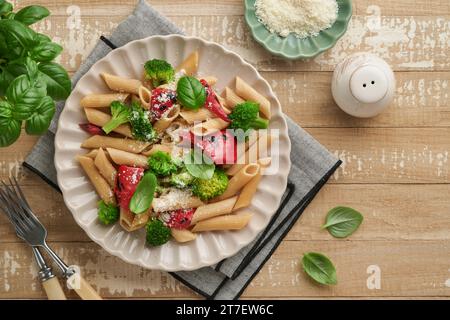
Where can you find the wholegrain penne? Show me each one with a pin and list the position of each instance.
(226, 222)
(102, 100)
(121, 84)
(128, 145)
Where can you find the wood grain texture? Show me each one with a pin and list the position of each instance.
(395, 166)
(405, 271)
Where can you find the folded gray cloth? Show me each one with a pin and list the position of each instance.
(312, 165)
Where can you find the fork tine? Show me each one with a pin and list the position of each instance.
(9, 212)
(22, 196)
(21, 200)
(16, 211)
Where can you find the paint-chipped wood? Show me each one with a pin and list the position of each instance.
(393, 39)
(405, 271)
(395, 170)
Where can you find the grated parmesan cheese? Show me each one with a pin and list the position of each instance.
(303, 18)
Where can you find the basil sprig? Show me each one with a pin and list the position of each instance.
(191, 93)
(199, 165)
(29, 81)
(143, 196)
(319, 267)
(342, 221)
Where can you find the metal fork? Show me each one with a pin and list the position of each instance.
(29, 228)
(50, 283)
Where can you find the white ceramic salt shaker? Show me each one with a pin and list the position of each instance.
(363, 85)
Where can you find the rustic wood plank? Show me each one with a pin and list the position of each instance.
(236, 7)
(405, 271)
(388, 155)
(393, 40)
(391, 212)
(420, 101)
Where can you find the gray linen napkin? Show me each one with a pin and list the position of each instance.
(312, 165)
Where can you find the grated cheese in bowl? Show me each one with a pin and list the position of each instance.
(303, 18)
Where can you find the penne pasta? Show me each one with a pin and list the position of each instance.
(178, 131)
(176, 199)
(92, 154)
(192, 116)
(226, 222)
(102, 100)
(128, 145)
(257, 148)
(209, 126)
(165, 122)
(127, 158)
(190, 64)
(145, 97)
(102, 187)
(211, 80)
(105, 168)
(231, 98)
(131, 222)
(99, 118)
(183, 235)
(249, 190)
(239, 180)
(158, 147)
(214, 209)
(121, 84)
(244, 90)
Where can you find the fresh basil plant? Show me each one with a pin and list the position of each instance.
(30, 82)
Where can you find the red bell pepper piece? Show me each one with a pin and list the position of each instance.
(127, 181)
(162, 101)
(92, 129)
(212, 103)
(178, 219)
(220, 146)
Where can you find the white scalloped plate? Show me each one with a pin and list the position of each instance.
(79, 195)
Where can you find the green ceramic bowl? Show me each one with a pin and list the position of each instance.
(291, 47)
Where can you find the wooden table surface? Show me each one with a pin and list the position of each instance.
(395, 170)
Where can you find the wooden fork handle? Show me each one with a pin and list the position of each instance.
(82, 288)
(53, 289)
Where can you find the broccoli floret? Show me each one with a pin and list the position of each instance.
(245, 116)
(157, 232)
(120, 114)
(181, 180)
(141, 126)
(107, 213)
(161, 164)
(159, 72)
(208, 189)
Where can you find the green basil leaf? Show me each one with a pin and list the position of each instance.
(10, 129)
(342, 221)
(57, 80)
(143, 196)
(319, 267)
(5, 7)
(46, 51)
(5, 110)
(31, 14)
(16, 32)
(25, 95)
(199, 165)
(191, 93)
(39, 121)
(5, 79)
(42, 38)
